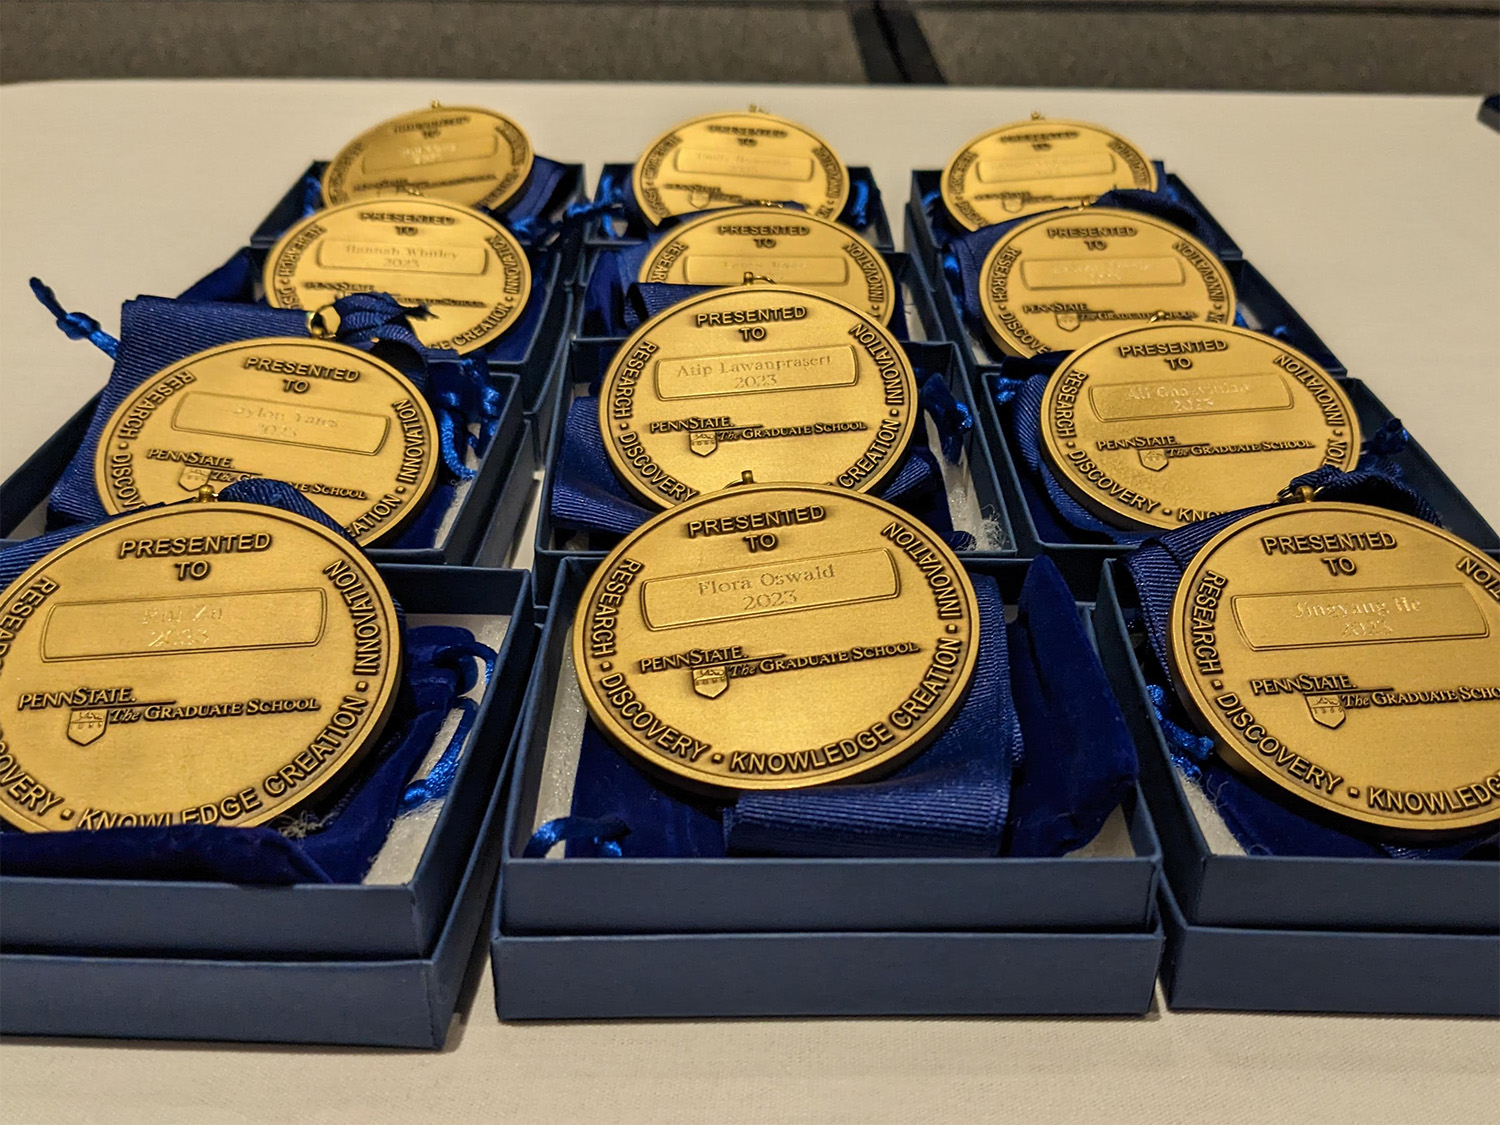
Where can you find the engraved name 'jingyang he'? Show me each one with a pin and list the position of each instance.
(197, 663)
(1344, 657)
(776, 636)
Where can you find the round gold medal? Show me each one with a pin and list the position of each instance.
(467, 269)
(1165, 425)
(1039, 165)
(474, 157)
(787, 384)
(730, 159)
(203, 663)
(1348, 656)
(346, 430)
(1058, 282)
(776, 245)
(775, 637)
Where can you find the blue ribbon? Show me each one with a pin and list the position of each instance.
(75, 325)
(463, 658)
(604, 833)
(1261, 824)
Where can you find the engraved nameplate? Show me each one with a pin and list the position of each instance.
(1089, 273)
(1175, 398)
(345, 254)
(758, 166)
(151, 626)
(1315, 618)
(756, 591)
(425, 153)
(323, 427)
(791, 370)
(730, 269)
(1045, 167)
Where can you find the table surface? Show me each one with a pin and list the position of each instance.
(1377, 217)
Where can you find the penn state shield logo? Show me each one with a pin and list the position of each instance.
(1153, 459)
(86, 725)
(1012, 204)
(703, 442)
(1068, 321)
(1326, 710)
(193, 478)
(711, 682)
(699, 198)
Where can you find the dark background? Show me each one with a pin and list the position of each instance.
(1409, 46)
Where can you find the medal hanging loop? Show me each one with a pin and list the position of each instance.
(75, 325)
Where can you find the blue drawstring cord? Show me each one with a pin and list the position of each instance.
(75, 325)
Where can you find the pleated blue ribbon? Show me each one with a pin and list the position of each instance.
(157, 332)
(1261, 824)
(333, 845)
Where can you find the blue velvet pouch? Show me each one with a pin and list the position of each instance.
(157, 332)
(1034, 762)
(1262, 823)
(621, 219)
(335, 844)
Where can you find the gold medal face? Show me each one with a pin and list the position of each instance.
(1060, 281)
(731, 159)
(787, 384)
(1165, 425)
(1349, 656)
(347, 431)
(467, 269)
(775, 637)
(473, 157)
(779, 246)
(1039, 165)
(208, 663)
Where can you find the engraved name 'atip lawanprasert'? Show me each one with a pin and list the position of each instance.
(785, 384)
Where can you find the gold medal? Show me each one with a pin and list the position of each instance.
(775, 637)
(474, 157)
(1039, 165)
(776, 245)
(787, 384)
(1058, 282)
(730, 159)
(467, 269)
(343, 428)
(204, 663)
(1165, 425)
(1350, 657)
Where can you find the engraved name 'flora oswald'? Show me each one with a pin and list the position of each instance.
(702, 642)
(210, 663)
(1345, 656)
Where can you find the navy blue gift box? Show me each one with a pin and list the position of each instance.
(581, 937)
(589, 358)
(307, 962)
(1299, 933)
(1040, 531)
(490, 510)
(620, 221)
